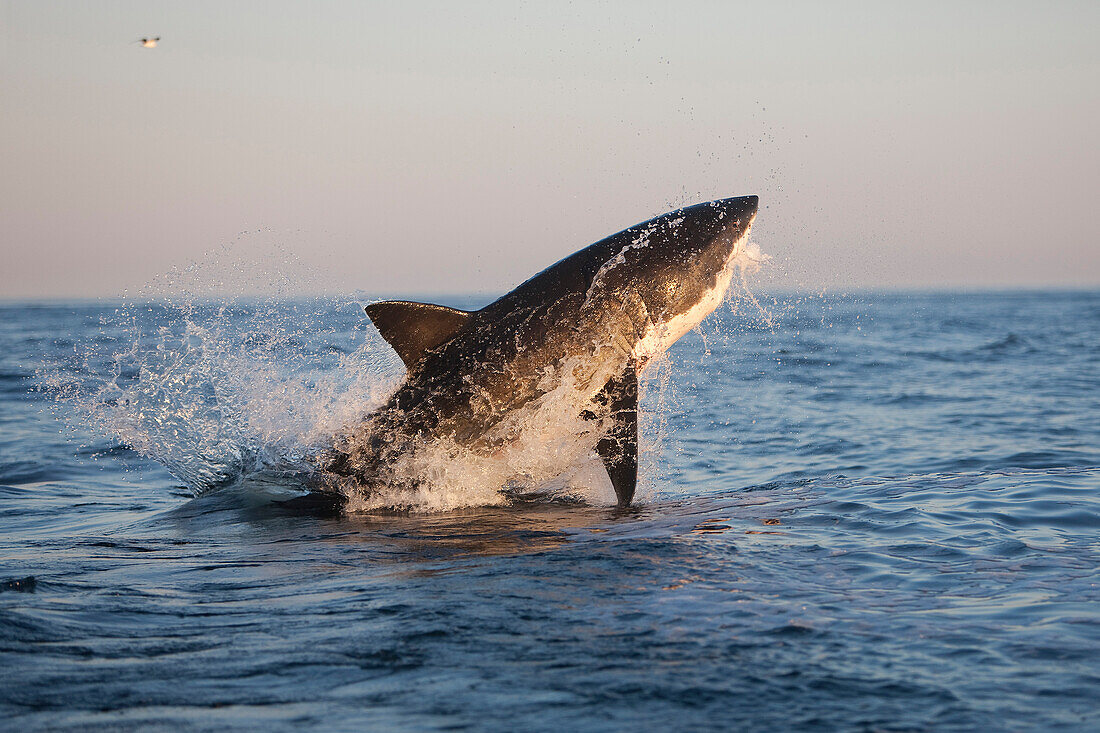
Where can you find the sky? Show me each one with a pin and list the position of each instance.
(443, 147)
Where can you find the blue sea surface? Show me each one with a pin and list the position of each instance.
(863, 512)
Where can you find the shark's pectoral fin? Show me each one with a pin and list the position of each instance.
(619, 447)
(413, 329)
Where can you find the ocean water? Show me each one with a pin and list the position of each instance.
(867, 512)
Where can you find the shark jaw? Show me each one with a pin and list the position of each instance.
(659, 337)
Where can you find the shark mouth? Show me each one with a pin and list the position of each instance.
(658, 337)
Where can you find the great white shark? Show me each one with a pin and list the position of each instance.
(576, 335)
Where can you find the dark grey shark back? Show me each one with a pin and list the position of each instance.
(578, 320)
(670, 237)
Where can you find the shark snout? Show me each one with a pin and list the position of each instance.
(695, 228)
(711, 230)
(740, 209)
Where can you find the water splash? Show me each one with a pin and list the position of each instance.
(219, 386)
(217, 370)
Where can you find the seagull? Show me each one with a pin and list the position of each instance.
(149, 42)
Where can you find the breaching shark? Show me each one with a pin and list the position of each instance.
(577, 334)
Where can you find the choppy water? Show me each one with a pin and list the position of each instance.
(875, 512)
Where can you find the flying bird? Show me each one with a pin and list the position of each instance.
(149, 42)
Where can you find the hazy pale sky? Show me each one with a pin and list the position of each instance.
(462, 146)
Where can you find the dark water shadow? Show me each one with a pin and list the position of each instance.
(263, 513)
(267, 515)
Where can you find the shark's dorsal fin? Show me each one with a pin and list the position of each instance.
(413, 329)
(619, 448)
